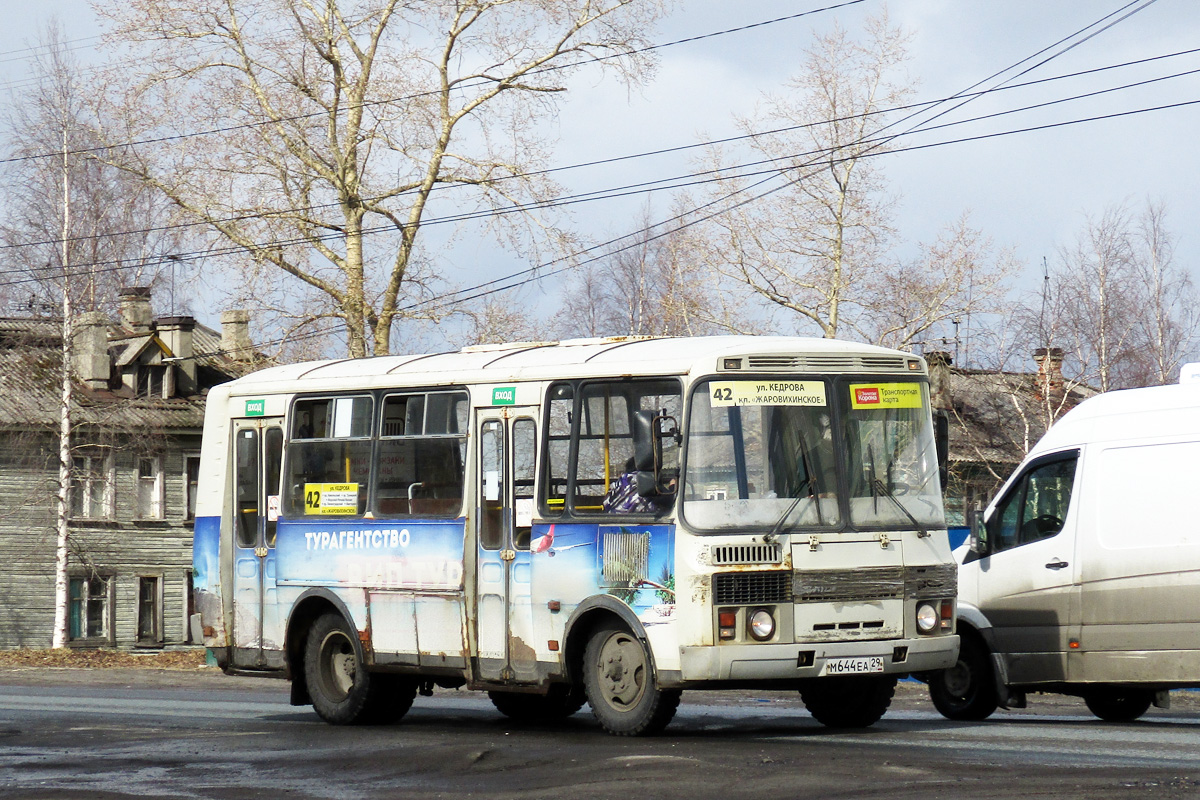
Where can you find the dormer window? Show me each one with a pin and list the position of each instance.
(154, 380)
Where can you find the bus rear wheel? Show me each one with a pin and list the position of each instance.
(618, 678)
(343, 692)
(1116, 704)
(857, 701)
(559, 703)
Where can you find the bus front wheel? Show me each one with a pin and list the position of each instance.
(618, 678)
(343, 692)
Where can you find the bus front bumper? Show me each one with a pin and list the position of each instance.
(753, 662)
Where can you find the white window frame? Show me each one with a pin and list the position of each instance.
(106, 634)
(155, 482)
(190, 491)
(100, 467)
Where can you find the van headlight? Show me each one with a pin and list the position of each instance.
(762, 625)
(927, 618)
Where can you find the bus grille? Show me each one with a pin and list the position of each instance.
(876, 583)
(626, 557)
(726, 554)
(746, 588)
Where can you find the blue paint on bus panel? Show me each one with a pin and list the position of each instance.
(568, 565)
(391, 554)
(206, 555)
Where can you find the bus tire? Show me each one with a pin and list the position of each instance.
(343, 692)
(618, 678)
(1118, 704)
(560, 702)
(851, 701)
(967, 691)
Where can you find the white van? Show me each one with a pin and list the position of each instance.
(1084, 576)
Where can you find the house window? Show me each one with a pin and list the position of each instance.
(149, 487)
(149, 618)
(89, 617)
(92, 481)
(152, 381)
(191, 480)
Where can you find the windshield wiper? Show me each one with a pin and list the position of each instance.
(879, 486)
(808, 482)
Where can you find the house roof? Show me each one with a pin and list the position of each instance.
(31, 387)
(997, 416)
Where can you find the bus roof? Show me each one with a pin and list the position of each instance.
(613, 356)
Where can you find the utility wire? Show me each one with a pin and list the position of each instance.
(418, 95)
(692, 178)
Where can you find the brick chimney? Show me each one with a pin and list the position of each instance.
(1049, 377)
(177, 334)
(136, 315)
(89, 350)
(235, 335)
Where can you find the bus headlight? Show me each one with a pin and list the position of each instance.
(927, 618)
(762, 625)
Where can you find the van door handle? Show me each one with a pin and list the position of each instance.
(1057, 564)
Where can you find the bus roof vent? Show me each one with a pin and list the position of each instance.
(829, 362)
(724, 555)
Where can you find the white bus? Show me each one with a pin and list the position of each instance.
(608, 521)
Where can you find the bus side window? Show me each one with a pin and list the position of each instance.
(558, 448)
(420, 460)
(330, 445)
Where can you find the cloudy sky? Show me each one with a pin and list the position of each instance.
(1028, 190)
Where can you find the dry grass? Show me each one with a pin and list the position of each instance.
(102, 659)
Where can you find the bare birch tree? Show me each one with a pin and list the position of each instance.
(1124, 313)
(74, 232)
(339, 123)
(814, 248)
(1169, 320)
(959, 274)
(651, 285)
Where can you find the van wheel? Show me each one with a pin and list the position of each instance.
(343, 692)
(850, 701)
(618, 678)
(1114, 704)
(966, 691)
(559, 703)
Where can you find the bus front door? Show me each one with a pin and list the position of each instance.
(503, 520)
(257, 455)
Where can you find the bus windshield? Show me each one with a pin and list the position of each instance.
(810, 454)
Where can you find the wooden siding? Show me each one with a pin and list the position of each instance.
(124, 549)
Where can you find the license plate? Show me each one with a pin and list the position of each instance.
(853, 666)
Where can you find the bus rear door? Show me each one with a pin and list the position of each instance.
(258, 453)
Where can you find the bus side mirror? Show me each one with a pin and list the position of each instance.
(941, 441)
(649, 430)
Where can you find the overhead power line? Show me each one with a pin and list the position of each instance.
(687, 179)
(417, 95)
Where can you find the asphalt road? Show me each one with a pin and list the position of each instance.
(145, 734)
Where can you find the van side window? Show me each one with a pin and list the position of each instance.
(1035, 507)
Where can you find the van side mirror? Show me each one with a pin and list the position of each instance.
(649, 430)
(979, 533)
